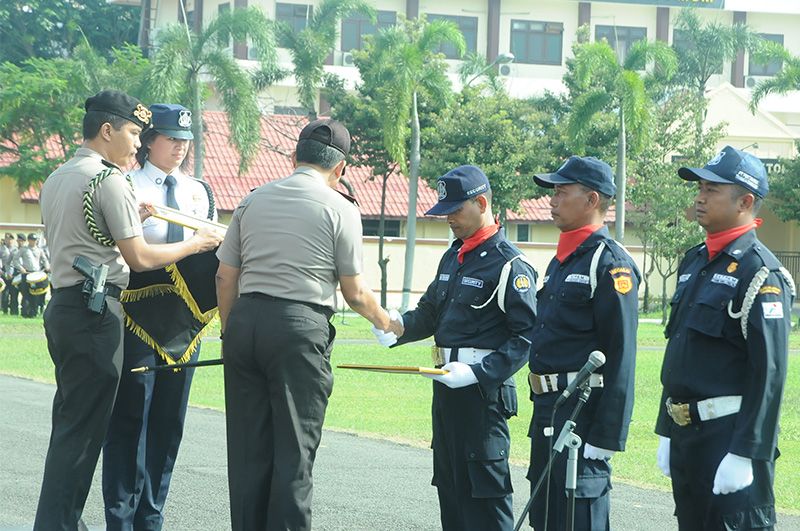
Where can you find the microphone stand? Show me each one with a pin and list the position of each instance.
(566, 437)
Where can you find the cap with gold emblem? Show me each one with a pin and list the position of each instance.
(120, 104)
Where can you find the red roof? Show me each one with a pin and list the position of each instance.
(279, 134)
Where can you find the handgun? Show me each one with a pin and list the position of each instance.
(94, 287)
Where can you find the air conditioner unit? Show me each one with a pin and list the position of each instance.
(347, 59)
(505, 70)
(752, 81)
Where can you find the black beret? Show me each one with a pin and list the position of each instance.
(120, 104)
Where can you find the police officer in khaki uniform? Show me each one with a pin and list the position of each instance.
(89, 211)
(6, 251)
(30, 259)
(289, 244)
(12, 272)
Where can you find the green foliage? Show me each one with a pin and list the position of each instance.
(401, 62)
(41, 105)
(784, 190)
(52, 28)
(707, 45)
(182, 61)
(787, 80)
(499, 134)
(599, 84)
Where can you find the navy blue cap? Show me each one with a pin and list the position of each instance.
(172, 120)
(732, 166)
(588, 171)
(119, 104)
(457, 186)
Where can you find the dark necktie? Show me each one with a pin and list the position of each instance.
(174, 231)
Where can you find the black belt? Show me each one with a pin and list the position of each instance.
(324, 310)
(111, 290)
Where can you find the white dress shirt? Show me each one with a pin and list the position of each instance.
(190, 194)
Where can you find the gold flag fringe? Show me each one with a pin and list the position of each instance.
(186, 295)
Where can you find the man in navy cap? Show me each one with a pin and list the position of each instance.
(725, 363)
(481, 310)
(588, 303)
(146, 426)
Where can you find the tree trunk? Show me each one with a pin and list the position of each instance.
(197, 127)
(382, 262)
(619, 233)
(411, 224)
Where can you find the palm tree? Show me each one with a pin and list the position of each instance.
(312, 45)
(606, 83)
(401, 63)
(787, 80)
(182, 62)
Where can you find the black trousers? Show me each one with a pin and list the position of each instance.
(86, 349)
(696, 451)
(277, 383)
(143, 439)
(9, 295)
(470, 458)
(592, 507)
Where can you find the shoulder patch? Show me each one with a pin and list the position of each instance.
(772, 310)
(623, 281)
(522, 283)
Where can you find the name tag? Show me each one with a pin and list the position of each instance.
(444, 277)
(578, 279)
(725, 279)
(474, 282)
(684, 277)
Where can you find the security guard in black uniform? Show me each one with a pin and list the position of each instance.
(725, 362)
(588, 302)
(481, 310)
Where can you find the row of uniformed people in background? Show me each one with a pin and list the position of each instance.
(292, 242)
(17, 260)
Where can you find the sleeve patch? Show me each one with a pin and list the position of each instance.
(623, 282)
(522, 283)
(769, 290)
(772, 310)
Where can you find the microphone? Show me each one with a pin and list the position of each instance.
(596, 360)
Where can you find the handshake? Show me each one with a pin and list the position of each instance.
(388, 337)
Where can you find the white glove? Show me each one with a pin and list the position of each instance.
(386, 339)
(662, 455)
(733, 474)
(459, 375)
(394, 315)
(593, 452)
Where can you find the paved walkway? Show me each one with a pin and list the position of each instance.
(360, 483)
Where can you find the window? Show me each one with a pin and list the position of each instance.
(681, 43)
(355, 28)
(771, 68)
(293, 15)
(468, 27)
(190, 19)
(537, 43)
(620, 38)
(391, 227)
(523, 233)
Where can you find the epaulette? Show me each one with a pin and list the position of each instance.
(769, 259)
(349, 197)
(109, 164)
(506, 249)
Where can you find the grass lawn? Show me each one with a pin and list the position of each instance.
(397, 407)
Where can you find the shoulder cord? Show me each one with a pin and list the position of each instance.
(749, 298)
(88, 206)
(212, 207)
(500, 290)
(593, 267)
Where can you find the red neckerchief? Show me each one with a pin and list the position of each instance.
(480, 236)
(570, 240)
(719, 240)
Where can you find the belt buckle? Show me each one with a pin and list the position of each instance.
(437, 356)
(536, 384)
(679, 413)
